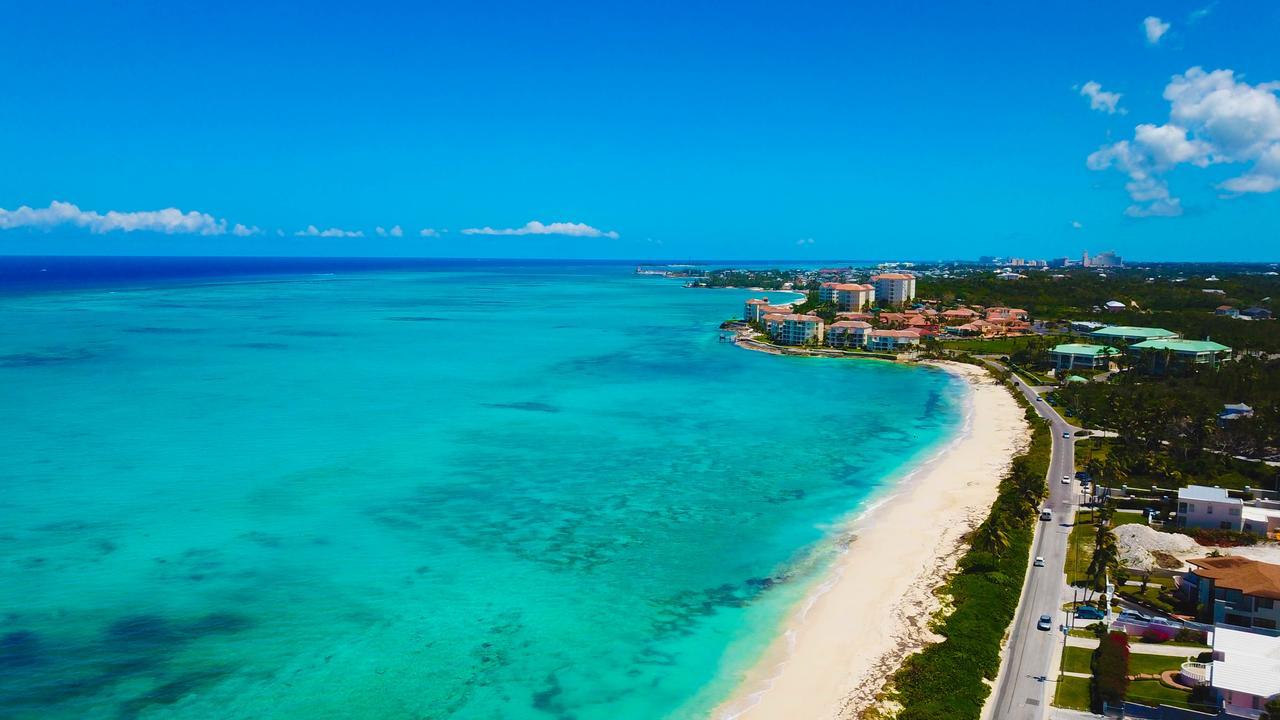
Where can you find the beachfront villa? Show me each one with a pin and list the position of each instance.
(1244, 673)
(1163, 354)
(1070, 356)
(1200, 506)
(1236, 591)
(793, 329)
(848, 334)
(895, 288)
(959, 315)
(1131, 334)
(1004, 313)
(892, 340)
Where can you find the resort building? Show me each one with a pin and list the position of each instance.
(1227, 311)
(1130, 334)
(892, 340)
(827, 292)
(852, 297)
(754, 310)
(1166, 353)
(848, 334)
(1070, 356)
(1004, 313)
(895, 288)
(793, 329)
(1235, 590)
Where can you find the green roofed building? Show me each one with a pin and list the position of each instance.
(1079, 355)
(1128, 333)
(1163, 354)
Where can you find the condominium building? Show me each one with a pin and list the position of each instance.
(895, 288)
(848, 334)
(793, 329)
(1070, 356)
(1167, 353)
(1200, 506)
(892, 340)
(1131, 334)
(755, 309)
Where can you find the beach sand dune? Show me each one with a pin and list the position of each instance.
(844, 641)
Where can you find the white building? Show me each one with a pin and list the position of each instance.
(1245, 672)
(794, 329)
(1209, 507)
(848, 333)
(895, 288)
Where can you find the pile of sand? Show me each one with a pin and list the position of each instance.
(1137, 543)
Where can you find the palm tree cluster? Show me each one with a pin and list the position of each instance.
(1019, 498)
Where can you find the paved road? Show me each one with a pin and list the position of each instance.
(1025, 686)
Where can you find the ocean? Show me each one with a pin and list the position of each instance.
(413, 489)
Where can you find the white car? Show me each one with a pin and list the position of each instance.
(1039, 561)
(1039, 399)
(1045, 623)
(1066, 479)
(1066, 435)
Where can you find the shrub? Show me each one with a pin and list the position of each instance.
(1110, 671)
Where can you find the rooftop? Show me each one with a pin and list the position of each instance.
(1083, 349)
(896, 333)
(1122, 331)
(1196, 346)
(893, 276)
(1250, 662)
(1233, 572)
(1203, 493)
(849, 324)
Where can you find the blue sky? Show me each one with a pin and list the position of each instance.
(654, 129)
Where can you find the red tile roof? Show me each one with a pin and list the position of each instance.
(1233, 572)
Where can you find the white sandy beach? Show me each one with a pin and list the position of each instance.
(843, 641)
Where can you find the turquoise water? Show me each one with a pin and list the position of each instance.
(543, 492)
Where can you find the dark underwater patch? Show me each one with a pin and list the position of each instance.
(42, 359)
(154, 330)
(19, 649)
(261, 346)
(171, 692)
(529, 406)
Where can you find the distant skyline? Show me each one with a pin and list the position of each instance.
(643, 130)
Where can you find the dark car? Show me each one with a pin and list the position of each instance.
(1089, 612)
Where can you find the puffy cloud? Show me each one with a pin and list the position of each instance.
(1155, 28)
(245, 231)
(1213, 118)
(1076, 224)
(1099, 99)
(536, 228)
(805, 241)
(170, 221)
(313, 231)
(429, 232)
(395, 231)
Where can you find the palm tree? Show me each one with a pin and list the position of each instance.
(991, 537)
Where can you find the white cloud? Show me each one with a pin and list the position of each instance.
(1077, 224)
(1202, 13)
(536, 228)
(1155, 28)
(805, 241)
(170, 221)
(1099, 99)
(313, 231)
(245, 231)
(429, 232)
(395, 231)
(1213, 118)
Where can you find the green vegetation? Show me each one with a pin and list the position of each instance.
(1140, 664)
(1077, 659)
(1004, 346)
(1110, 671)
(947, 679)
(767, 279)
(1072, 692)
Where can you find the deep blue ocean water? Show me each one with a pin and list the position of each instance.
(419, 489)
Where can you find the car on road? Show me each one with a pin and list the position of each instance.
(1066, 435)
(1045, 623)
(1046, 514)
(1039, 562)
(1039, 399)
(1066, 479)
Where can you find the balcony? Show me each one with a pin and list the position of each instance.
(1195, 673)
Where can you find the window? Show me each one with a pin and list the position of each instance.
(1182, 508)
(1264, 623)
(1209, 509)
(1265, 603)
(1224, 525)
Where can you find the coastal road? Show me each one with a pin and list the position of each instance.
(1024, 688)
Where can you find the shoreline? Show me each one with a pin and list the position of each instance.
(838, 646)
